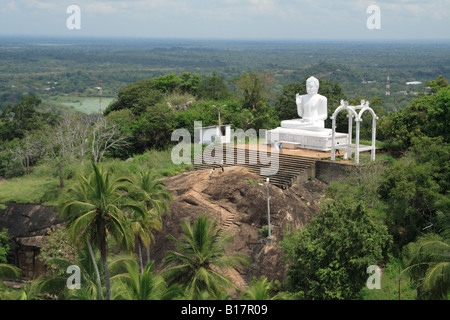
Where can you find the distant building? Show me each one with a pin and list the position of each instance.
(413, 83)
(218, 134)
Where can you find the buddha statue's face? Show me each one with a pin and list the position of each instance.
(311, 87)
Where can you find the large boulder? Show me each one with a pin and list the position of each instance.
(239, 203)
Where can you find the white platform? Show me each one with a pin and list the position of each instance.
(320, 140)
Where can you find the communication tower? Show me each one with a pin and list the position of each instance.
(100, 112)
(388, 87)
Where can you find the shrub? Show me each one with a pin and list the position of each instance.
(4, 244)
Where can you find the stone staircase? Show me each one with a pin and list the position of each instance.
(286, 170)
(229, 221)
(290, 169)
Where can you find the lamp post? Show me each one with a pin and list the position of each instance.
(218, 111)
(269, 235)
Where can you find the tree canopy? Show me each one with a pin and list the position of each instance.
(329, 257)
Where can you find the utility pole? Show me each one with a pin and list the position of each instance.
(100, 93)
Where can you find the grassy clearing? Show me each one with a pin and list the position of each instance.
(42, 185)
(31, 188)
(378, 144)
(82, 104)
(394, 285)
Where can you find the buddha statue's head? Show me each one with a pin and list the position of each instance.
(312, 85)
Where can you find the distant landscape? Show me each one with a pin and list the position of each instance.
(88, 180)
(58, 67)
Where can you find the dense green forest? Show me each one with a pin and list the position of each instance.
(397, 212)
(55, 67)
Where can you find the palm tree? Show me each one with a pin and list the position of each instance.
(156, 198)
(198, 256)
(141, 228)
(30, 291)
(154, 193)
(262, 289)
(133, 285)
(7, 271)
(259, 289)
(96, 211)
(55, 284)
(428, 265)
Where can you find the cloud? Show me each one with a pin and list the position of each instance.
(232, 18)
(9, 7)
(106, 8)
(24, 5)
(42, 5)
(418, 9)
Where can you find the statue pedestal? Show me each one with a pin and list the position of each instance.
(319, 139)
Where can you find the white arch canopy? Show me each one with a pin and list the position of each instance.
(356, 147)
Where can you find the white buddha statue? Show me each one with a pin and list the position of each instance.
(311, 107)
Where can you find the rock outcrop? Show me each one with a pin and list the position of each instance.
(239, 203)
(28, 225)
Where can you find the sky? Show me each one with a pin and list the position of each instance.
(228, 19)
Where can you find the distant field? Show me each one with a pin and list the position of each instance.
(87, 105)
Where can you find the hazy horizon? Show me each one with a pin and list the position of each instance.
(236, 40)
(228, 19)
